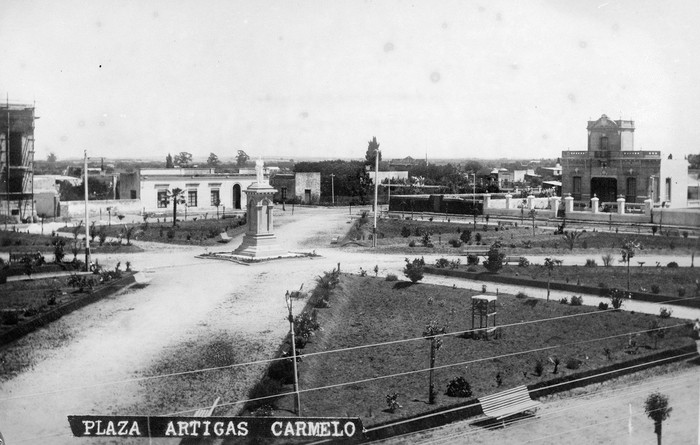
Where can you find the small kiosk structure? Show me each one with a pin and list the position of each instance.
(484, 307)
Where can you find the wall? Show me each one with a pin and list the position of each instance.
(677, 171)
(384, 175)
(129, 182)
(76, 209)
(310, 181)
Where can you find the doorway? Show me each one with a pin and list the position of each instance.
(604, 188)
(237, 197)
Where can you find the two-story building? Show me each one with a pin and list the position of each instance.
(611, 168)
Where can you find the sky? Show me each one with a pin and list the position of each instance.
(298, 79)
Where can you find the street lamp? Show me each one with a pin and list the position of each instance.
(87, 216)
(288, 301)
(376, 190)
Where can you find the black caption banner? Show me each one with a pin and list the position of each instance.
(215, 427)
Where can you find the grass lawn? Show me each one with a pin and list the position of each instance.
(676, 281)
(195, 231)
(368, 310)
(518, 240)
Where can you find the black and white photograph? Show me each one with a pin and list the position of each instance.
(350, 221)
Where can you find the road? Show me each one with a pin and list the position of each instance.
(119, 339)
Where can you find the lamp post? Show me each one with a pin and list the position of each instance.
(376, 190)
(288, 300)
(333, 189)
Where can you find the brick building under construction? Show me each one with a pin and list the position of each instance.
(17, 161)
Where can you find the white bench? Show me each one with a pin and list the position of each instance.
(207, 412)
(507, 403)
(224, 238)
(335, 240)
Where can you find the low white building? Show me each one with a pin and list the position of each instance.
(203, 189)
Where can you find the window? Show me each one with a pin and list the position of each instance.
(577, 188)
(162, 199)
(631, 190)
(133, 194)
(668, 189)
(192, 198)
(215, 198)
(284, 193)
(604, 143)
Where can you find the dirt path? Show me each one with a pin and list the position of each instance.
(612, 413)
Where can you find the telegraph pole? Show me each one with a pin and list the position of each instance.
(333, 189)
(87, 222)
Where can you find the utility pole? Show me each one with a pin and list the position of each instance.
(288, 300)
(87, 222)
(333, 189)
(7, 159)
(376, 190)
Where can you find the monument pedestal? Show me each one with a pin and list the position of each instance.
(259, 240)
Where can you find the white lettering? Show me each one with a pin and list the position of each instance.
(170, 430)
(301, 428)
(325, 430)
(110, 429)
(89, 425)
(289, 429)
(230, 429)
(183, 426)
(349, 429)
(243, 428)
(134, 431)
(206, 427)
(219, 429)
(276, 429)
(336, 433)
(314, 429)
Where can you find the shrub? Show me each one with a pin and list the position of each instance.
(584, 244)
(441, 263)
(392, 402)
(170, 233)
(591, 263)
(414, 270)
(472, 259)
(576, 301)
(603, 306)
(539, 368)
(10, 317)
(426, 240)
(685, 234)
(477, 237)
(454, 242)
(418, 232)
(672, 265)
(392, 277)
(573, 363)
(458, 387)
(466, 236)
(681, 292)
(412, 243)
(564, 301)
(405, 231)
(655, 288)
(495, 257)
(617, 297)
(607, 259)
(454, 264)
(521, 295)
(523, 262)
(304, 327)
(665, 313)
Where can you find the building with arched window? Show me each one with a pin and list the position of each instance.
(612, 168)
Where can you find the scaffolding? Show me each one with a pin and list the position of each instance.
(17, 161)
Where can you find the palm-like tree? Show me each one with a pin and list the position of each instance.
(532, 214)
(571, 238)
(178, 197)
(656, 407)
(549, 264)
(628, 250)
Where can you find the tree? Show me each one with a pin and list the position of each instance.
(571, 237)
(628, 250)
(433, 333)
(51, 158)
(533, 214)
(169, 161)
(183, 159)
(241, 158)
(549, 264)
(372, 150)
(178, 197)
(213, 160)
(657, 409)
(495, 257)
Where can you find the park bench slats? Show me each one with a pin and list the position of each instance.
(508, 402)
(206, 412)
